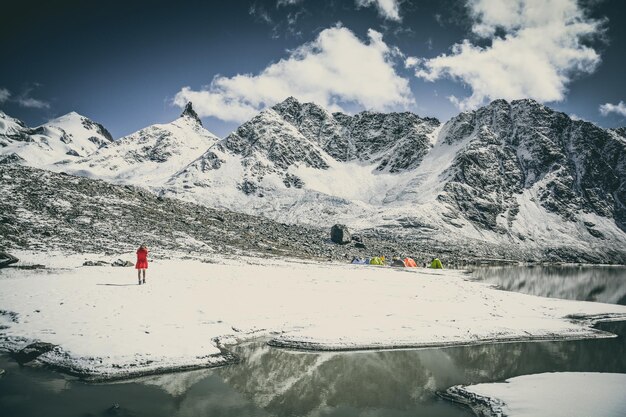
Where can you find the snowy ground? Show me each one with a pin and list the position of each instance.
(561, 394)
(189, 312)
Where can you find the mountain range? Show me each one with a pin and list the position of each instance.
(511, 179)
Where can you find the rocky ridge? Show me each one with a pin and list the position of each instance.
(571, 166)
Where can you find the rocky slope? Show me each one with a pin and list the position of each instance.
(530, 175)
(43, 210)
(570, 167)
(393, 142)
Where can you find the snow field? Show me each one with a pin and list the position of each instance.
(108, 326)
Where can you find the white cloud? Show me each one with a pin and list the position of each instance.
(24, 99)
(538, 56)
(411, 62)
(4, 95)
(608, 108)
(32, 103)
(335, 69)
(388, 9)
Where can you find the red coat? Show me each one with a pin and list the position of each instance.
(142, 259)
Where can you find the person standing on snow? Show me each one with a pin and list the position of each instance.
(142, 263)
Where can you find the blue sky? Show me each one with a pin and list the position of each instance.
(131, 64)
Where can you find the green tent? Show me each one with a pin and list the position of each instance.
(436, 264)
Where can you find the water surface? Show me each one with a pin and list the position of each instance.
(605, 284)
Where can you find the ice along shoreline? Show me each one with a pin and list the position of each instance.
(555, 394)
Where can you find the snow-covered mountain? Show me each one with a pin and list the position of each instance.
(522, 174)
(68, 137)
(524, 155)
(149, 156)
(301, 164)
(511, 179)
(517, 175)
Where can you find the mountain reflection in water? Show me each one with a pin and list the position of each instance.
(279, 382)
(295, 383)
(605, 284)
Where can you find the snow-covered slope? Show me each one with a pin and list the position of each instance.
(10, 128)
(298, 163)
(516, 174)
(149, 156)
(66, 138)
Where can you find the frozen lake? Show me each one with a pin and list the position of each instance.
(279, 382)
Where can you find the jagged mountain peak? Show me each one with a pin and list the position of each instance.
(289, 101)
(500, 102)
(293, 110)
(527, 102)
(188, 111)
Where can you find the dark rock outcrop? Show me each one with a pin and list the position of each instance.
(190, 112)
(32, 352)
(96, 263)
(7, 259)
(340, 234)
(11, 158)
(120, 262)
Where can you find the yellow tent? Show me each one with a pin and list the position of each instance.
(436, 264)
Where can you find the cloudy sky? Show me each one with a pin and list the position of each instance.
(134, 63)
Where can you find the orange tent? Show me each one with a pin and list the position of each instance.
(410, 262)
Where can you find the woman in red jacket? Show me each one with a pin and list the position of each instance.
(142, 262)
